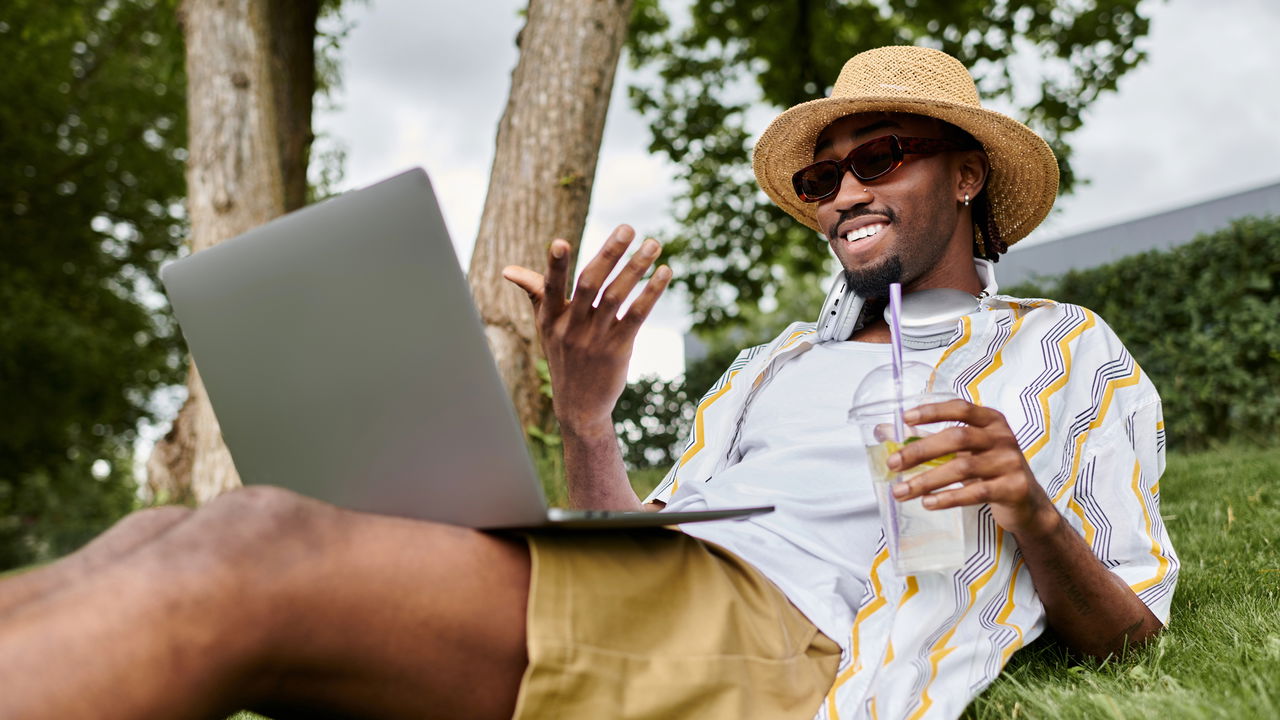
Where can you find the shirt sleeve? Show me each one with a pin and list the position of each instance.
(1115, 504)
(663, 492)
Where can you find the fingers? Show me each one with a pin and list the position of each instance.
(618, 290)
(548, 293)
(643, 304)
(963, 469)
(972, 494)
(593, 275)
(557, 276)
(527, 280)
(883, 432)
(930, 447)
(545, 291)
(953, 411)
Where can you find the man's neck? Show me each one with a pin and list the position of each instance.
(875, 329)
(873, 332)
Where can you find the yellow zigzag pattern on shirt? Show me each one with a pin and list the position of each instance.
(913, 587)
(1064, 350)
(1006, 611)
(996, 363)
(940, 651)
(699, 431)
(855, 663)
(966, 331)
(1108, 394)
(1157, 552)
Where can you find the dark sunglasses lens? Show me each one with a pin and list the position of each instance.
(875, 158)
(818, 180)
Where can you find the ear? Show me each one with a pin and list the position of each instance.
(972, 168)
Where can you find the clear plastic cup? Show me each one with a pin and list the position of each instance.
(920, 540)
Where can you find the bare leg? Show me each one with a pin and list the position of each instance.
(270, 600)
(123, 538)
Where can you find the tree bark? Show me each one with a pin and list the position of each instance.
(250, 81)
(543, 170)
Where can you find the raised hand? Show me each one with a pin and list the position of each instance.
(588, 346)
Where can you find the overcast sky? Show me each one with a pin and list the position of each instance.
(425, 84)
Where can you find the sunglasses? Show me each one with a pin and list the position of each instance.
(869, 161)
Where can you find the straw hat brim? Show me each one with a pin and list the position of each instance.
(1021, 185)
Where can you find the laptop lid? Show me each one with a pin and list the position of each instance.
(344, 361)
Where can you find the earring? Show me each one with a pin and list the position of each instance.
(966, 199)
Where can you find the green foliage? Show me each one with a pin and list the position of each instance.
(735, 249)
(327, 164)
(92, 135)
(548, 461)
(1203, 320)
(547, 449)
(91, 191)
(643, 481)
(652, 418)
(1220, 655)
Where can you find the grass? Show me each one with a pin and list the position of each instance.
(1220, 655)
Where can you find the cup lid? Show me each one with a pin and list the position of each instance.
(876, 393)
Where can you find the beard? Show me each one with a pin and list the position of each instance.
(920, 246)
(873, 283)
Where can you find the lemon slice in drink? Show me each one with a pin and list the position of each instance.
(893, 446)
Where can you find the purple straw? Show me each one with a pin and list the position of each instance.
(895, 347)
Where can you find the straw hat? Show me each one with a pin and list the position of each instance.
(1023, 181)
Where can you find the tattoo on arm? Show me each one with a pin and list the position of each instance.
(1122, 640)
(1063, 575)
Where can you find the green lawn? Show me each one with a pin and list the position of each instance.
(1220, 655)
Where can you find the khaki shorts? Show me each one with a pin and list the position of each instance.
(658, 624)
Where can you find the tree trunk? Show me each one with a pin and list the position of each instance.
(543, 169)
(250, 81)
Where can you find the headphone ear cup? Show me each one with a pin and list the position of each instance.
(850, 314)
(840, 312)
(830, 315)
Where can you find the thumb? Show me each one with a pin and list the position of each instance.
(531, 282)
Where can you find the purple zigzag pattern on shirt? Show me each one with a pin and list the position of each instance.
(1054, 364)
(1115, 369)
(980, 562)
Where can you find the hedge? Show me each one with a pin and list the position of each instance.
(1203, 320)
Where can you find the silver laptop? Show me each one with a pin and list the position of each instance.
(345, 360)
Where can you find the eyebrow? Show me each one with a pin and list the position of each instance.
(878, 125)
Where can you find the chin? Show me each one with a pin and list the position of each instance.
(872, 280)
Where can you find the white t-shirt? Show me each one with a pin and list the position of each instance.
(800, 454)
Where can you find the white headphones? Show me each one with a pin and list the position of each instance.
(928, 317)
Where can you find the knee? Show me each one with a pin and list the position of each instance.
(264, 529)
(151, 520)
(137, 528)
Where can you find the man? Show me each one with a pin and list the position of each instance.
(267, 600)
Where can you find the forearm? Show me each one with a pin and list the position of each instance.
(593, 468)
(1091, 609)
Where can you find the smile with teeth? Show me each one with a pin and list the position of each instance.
(865, 231)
